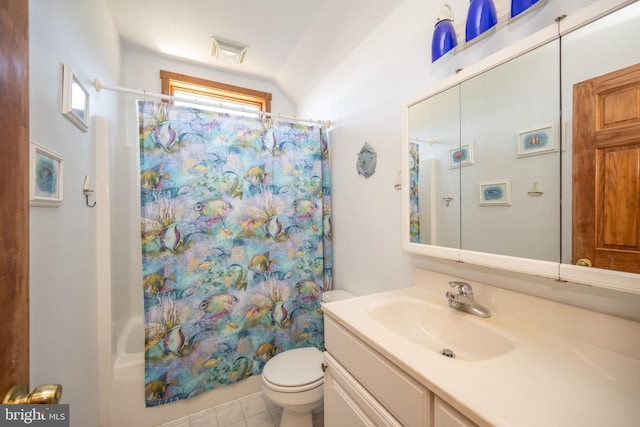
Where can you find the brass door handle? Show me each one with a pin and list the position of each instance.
(46, 394)
(584, 262)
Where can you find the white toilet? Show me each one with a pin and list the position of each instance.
(294, 379)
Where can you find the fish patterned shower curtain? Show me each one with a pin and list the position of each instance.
(236, 245)
(414, 199)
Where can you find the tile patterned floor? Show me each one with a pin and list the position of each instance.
(250, 411)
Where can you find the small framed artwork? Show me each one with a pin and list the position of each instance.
(45, 176)
(462, 156)
(539, 140)
(75, 99)
(495, 193)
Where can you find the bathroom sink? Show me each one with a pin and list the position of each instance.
(439, 327)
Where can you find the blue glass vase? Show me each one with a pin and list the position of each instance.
(444, 39)
(481, 16)
(519, 6)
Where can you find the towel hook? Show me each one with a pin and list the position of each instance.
(86, 194)
(87, 191)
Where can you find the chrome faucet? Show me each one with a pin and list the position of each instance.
(464, 300)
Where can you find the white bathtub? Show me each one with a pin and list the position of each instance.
(127, 387)
(130, 345)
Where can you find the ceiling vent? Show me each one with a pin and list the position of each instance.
(227, 51)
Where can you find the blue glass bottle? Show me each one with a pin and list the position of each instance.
(482, 16)
(519, 6)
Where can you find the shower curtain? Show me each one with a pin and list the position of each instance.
(414, 199)
(236, 245)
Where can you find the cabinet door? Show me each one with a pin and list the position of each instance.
(348, 404)
(444, 415)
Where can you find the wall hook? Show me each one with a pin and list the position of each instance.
(448, 197)
(87, 191)
(398, 184)
(535, 190)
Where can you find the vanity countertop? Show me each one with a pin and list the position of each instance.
(555, 374)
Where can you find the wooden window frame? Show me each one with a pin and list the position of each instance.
(172, 81)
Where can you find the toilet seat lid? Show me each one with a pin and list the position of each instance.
(294, 368)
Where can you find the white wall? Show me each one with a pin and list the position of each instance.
(63, 294)
(363, 97)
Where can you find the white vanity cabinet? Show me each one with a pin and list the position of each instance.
(363, 388)
(389, 346)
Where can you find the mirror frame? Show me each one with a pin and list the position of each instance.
(73, 90)
(608, 279)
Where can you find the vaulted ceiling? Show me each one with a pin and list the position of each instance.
(292, 43)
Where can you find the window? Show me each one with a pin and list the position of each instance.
(202, 90)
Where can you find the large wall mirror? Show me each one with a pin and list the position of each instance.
(489, 166)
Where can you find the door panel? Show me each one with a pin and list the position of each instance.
(619, 228)
(606, 170)
(14, 193)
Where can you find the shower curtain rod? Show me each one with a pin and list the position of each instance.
(99, 86)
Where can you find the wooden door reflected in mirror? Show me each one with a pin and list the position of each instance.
(606, 170)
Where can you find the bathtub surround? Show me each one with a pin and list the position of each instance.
(236, 248)
(126, 399)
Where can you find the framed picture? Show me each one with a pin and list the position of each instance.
(45, 176)
(75, 99)
(495, 193)
(462, 156)
(539, 140)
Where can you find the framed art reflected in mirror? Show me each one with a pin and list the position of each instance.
(538, 140)
(495, 193)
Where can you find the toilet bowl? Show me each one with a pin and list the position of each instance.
(294, 379)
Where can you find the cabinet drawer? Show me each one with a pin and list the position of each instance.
(405, 398)
(347, 403)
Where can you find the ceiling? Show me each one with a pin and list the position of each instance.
(292, 43)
